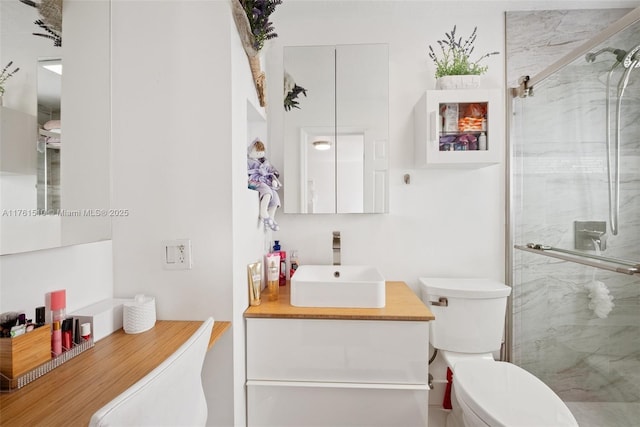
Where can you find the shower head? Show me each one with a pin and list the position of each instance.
(632, 59)
(619, 53)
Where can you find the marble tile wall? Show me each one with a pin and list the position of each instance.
(559, 176)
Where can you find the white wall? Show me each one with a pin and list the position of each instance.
(85, 271)
(180, 130)
(446, 222)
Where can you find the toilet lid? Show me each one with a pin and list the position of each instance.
(503, 394)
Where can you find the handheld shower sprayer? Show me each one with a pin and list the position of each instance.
(629, 61)
(632, 59)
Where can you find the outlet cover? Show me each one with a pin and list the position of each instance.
(176, 254)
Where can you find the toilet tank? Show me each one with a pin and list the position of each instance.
(472, 320)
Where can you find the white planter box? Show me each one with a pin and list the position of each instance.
(458, 82)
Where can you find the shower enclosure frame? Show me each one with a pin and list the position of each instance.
(526, 88)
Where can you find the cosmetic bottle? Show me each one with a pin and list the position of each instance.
(67, 334)
(255, 282)
(482, 141)
(56, 339)
(282, 276)
(85, 331)
(77, 338)
(58, 305)
(294, 263)
(40, 316)
(450, 117)
(273, 272)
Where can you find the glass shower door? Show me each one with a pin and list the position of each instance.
(576, 326)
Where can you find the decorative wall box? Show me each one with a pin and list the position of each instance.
(459, 128)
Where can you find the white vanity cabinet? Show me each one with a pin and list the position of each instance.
(336, 372)
(459, 128)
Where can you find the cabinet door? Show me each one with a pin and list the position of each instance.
(282, 404)
(362, 351)
(459, 128)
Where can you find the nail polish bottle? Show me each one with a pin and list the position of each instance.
(85, 331)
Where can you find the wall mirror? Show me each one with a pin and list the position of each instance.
(55, 128)
(336, 137)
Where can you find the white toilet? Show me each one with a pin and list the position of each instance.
(469, 324)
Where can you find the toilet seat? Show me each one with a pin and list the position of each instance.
(503, 394)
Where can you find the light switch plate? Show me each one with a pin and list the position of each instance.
(176, 254)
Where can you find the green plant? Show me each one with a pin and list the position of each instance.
(455, 56)
(5, 74)
(290, 101)
(258, 13)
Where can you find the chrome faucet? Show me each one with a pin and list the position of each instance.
(590, 235)
(598, 238)
(336, 248)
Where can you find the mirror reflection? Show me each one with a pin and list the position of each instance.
(54, 191)
(336, 129)
(49, 87)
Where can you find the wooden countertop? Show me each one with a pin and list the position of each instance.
(401, 304)
(71, 393)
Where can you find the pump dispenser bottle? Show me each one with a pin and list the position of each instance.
(282, 277)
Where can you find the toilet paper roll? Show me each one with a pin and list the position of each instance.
(139, 315)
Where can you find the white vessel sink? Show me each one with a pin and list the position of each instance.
(355, 286)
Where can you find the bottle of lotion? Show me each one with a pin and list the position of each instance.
(482, 142)
(273, 270)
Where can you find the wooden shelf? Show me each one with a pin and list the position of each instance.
(70, 394)
(401, 304)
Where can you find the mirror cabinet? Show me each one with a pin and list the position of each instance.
(336, 137)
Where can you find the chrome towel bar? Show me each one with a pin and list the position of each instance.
(605, 263)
